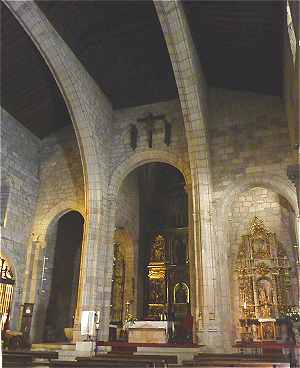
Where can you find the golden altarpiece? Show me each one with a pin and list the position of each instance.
(263, 271)
(118, 286)
(168, 276)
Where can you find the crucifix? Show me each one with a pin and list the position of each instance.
(149, 121)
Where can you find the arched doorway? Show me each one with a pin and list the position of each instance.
(65, 276)
(153, 202)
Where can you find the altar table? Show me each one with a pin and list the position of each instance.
(155, 332)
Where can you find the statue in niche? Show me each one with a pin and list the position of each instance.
(181, 293)
(265, 297)
(158, 253)
(261, 248)
(265, 292)
(268, 331)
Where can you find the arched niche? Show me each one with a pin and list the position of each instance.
(260, 208)
(59, 277)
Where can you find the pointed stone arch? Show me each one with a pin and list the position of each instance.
(91, 115)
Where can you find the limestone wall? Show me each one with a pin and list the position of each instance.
(122, 119)
(128, 206)
(61, 190)
(127, 220)
(61, 175)
(19, 191)
(248, 135)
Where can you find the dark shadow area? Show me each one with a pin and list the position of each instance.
(65, 277)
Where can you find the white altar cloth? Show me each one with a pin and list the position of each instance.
(148, 332)
(150, 324)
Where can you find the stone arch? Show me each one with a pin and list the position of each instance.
(91, 114)
(44, 243)
(274, 183)
(40, 230)
(139, 159)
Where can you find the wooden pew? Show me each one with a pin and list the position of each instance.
(135, 360)
(25, 358)
(236, 360)
(99, 364)
(169, 359)
(17, 360)
(35, 354)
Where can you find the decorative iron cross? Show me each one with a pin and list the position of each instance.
(149, 121)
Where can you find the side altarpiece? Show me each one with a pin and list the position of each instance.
(264, 283)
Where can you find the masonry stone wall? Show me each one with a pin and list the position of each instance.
(127, 220)
(20, 181)
(128, 206)
(122, 120)
(61, 190)
(61, 174)
(248, 135)
(278, 218)
(249, 144)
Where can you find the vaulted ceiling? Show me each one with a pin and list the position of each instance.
(121, 45)
(28, 90)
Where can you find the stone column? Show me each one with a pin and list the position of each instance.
(191, 256)
(293, 173)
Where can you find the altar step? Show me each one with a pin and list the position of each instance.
(66, 351)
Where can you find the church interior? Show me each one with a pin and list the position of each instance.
(150, 183)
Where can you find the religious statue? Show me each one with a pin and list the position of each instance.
(158, 253)
(254, 331)
(261, 249)
(268, 331)
(181, 293)
(265, 293)
(156, 292)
